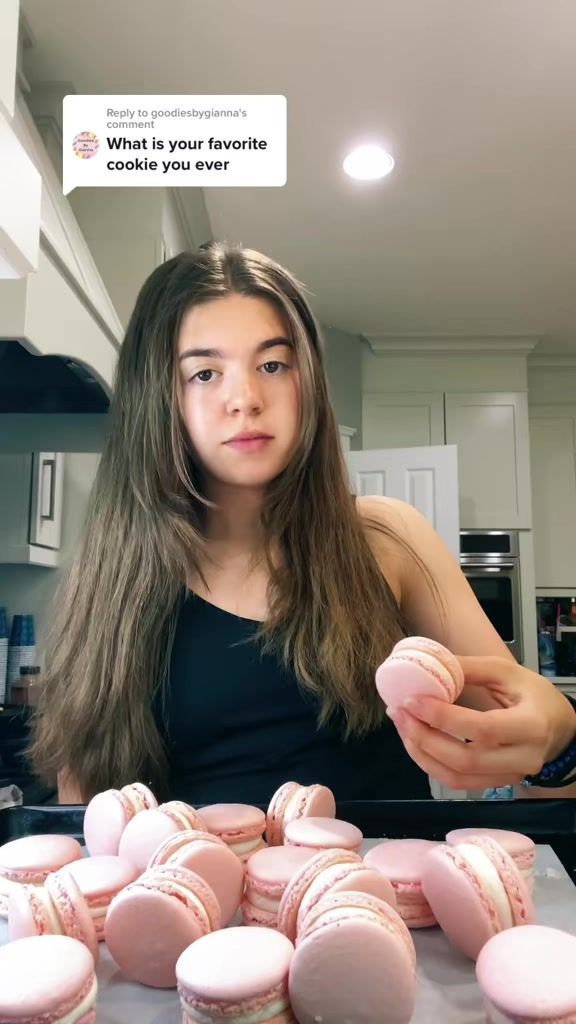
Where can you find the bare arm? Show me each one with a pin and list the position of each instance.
(454, 617)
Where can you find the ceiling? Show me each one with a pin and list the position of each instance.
(474, 232)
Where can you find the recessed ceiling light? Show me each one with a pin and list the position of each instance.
(368, 163)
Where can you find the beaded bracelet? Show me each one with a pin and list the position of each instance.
(557, 773)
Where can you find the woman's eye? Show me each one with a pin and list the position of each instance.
(274, 363)
(199, 376)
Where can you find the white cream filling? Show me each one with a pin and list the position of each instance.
(78, 1012)
(490, 880)
(260, 1017)
(189, 897)
(291, 809)
(241, 848)
(184, 821)
(51, 912)
(97, 911)
(262, 902)
(6, 886)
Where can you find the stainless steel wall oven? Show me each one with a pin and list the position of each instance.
(490, 561)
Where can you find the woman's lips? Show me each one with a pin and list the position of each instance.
(251, 444)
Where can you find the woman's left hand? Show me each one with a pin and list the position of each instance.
(531, 724)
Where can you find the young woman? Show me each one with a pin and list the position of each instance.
(221, 626)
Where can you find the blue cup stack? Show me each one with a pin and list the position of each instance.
(3, 653)
(22, 647)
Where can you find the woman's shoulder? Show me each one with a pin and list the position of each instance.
(396, 520)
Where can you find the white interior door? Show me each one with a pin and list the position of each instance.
(424, 477)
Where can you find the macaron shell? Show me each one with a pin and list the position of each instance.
(45, 978)
(400, 860)
(31, 858)
(528, 974)
(398, 680)
(99, 879)
(256, 917)
(319, 833)
(344, 878)
(319, 802)
(235, 967)
(72, 909)
(298, 886)
(144, 834)
(382, 975)
(105, 819)
(461, 906)
(275, 813)
(521, 848)
(234, 823)
(147, 928)
(141, 798)
(213, 861)
(432, 647)
(269, 870)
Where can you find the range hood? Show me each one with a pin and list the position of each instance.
(46, 384)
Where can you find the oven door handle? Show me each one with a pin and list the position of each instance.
(502, 566)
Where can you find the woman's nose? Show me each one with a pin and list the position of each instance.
(244, 396)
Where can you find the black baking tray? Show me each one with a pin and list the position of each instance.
(549, 822)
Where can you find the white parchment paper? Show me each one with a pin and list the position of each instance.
(447, 989)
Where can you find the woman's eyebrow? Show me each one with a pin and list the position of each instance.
(214, 353)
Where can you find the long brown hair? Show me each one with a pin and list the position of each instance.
(332, 614)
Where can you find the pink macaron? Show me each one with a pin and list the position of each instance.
(240, 826)
(527, 974)
(354, 961)
(209, 857)
(419, 667)
(326, 873)
(100, 879)
(144, 833)
(47, 980)
(520, 847)
(268, 873)
(154, 919)
(292, 801)
(31, 859)
(108, 814)
(237, 974)
(400, 861)
(323, 834)
(475, 891)
(56, 908)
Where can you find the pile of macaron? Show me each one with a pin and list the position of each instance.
(271, 917)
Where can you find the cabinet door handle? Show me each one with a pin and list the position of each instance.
(47, 489)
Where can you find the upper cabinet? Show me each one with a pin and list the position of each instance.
(553, 457)
(490, 430)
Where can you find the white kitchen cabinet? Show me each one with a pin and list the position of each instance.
(31, 490)
(395, 420)
(553, 459)
(490, 430)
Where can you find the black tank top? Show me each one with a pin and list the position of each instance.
(237, 724)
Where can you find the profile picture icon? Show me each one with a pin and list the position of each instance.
(85, 145)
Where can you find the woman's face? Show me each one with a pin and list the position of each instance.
(238, 376)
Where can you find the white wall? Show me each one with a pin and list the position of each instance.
(28, 589)
(344, 368)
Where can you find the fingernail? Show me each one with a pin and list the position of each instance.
(412, 704)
